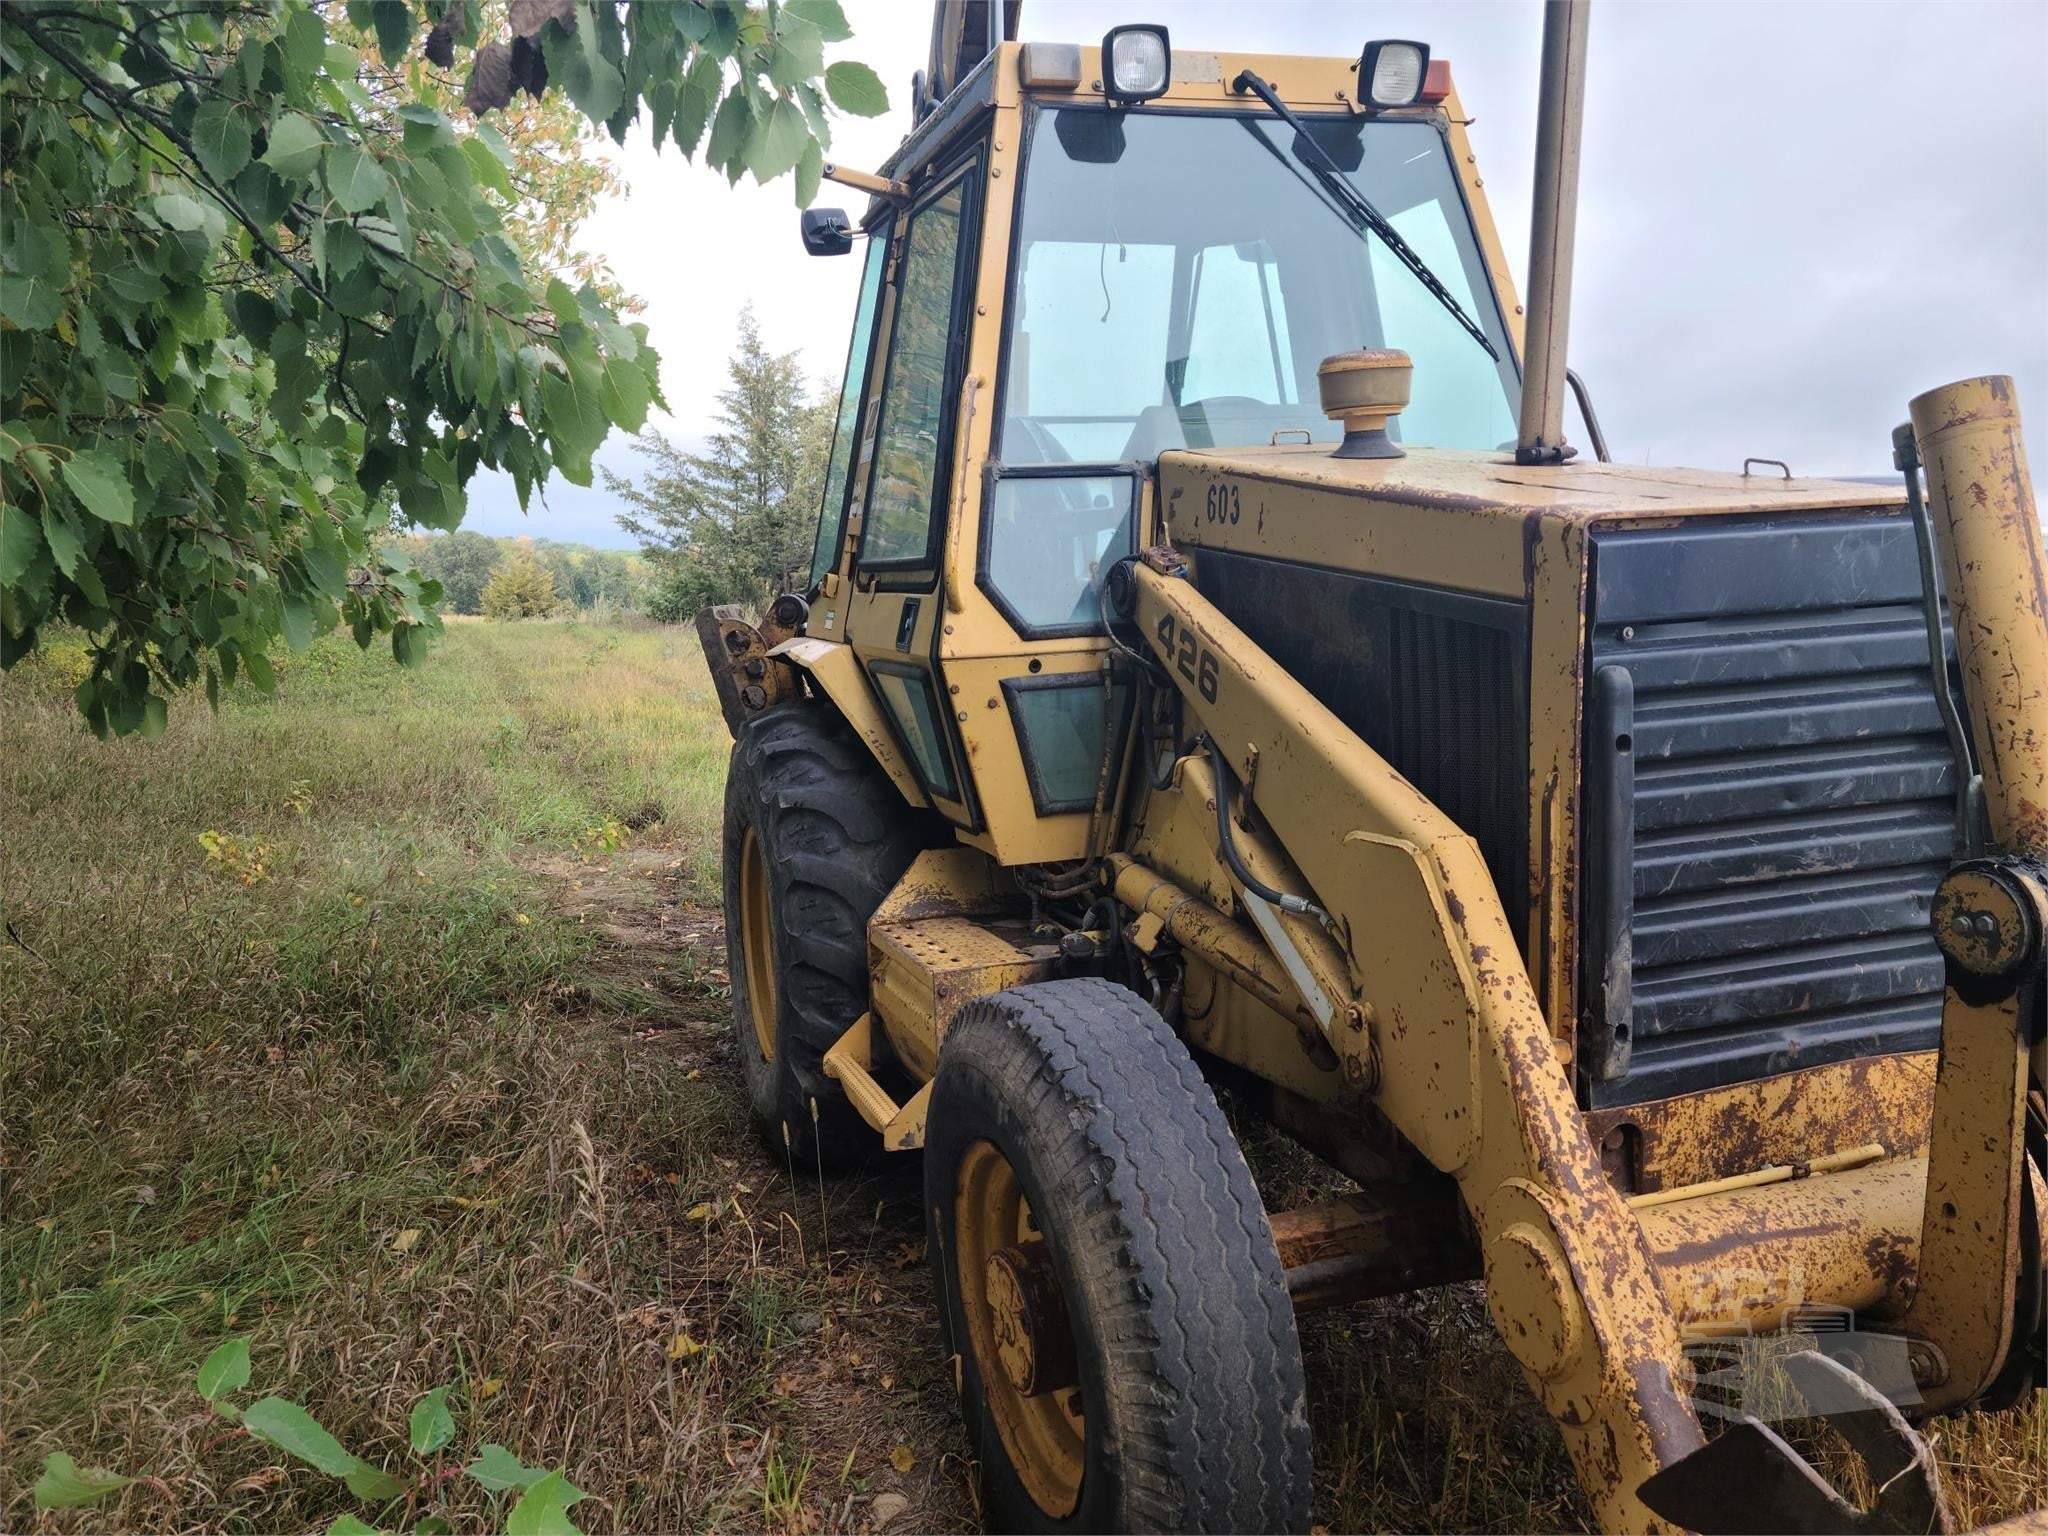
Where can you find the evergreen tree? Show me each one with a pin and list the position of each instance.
(520, 588)
(736, 522)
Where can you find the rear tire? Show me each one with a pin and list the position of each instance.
(1071, 1139)
(815, 837)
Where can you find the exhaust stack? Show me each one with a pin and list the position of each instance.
(1560, 113)
(1985, 521)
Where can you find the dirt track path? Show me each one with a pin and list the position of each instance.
(820, 1349)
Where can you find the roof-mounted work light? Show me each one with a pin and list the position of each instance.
(1136, 63)
(1391, 73)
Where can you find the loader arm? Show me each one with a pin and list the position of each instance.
(1460, 1050)
(1432, 1014)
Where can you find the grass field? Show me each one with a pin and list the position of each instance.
(382, 1023)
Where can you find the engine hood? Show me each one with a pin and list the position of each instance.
(1456, 519)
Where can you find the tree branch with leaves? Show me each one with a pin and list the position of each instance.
(263, 295)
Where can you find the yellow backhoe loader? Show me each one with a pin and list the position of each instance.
(1216, 666)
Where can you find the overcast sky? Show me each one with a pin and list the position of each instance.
(1793, 217)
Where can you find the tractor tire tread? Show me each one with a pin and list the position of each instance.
(836, 837)
(1199, 1291)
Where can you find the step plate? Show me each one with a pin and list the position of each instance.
(924, 971)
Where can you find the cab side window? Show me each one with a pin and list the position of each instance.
(832, 515)
(909, 465)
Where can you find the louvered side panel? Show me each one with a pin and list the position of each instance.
(1792, 806)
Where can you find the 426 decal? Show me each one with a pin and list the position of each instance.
(1191, 659)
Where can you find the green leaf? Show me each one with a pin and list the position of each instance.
(257, 664)
(32, 244)
(857, 89)
(409, 649)
(36, 251)
(575, 424)
(798, 55)
(729, 130)
(625, 393)
(220, 137)
(225, 1370)
(136, 285)
(498, 1470)
(265, 196)
(563, 303)
(155, 716)
(355, 178)
(372, 1483)
(31, 303)
(275, 1420)
(433, 1426)
(485, 165)
(346, 1524)
(100, 481)
(295, 617)
(543, 1510)
(825, 15)
(426, 128)
(21, 540)
(63, 536)
(577, 63)
(305, 41)
(254, 315)
(328, 574)
(699, 97)
(810, 171)
(66, 1485)
(188, 214)
(778, 143)
(393, 22)
(295, 145)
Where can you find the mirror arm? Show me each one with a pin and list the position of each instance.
(897, 192)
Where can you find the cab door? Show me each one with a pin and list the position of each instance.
(895, 611)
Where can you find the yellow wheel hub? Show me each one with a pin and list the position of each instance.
(757, 943)
(1017, 1326)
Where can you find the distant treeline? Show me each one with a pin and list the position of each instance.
(527, 577)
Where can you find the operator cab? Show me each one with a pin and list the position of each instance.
(1062, 282)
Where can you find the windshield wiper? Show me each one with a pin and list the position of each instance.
(1356, 209)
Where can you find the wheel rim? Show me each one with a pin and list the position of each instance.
(1018, 1329)
(757, 943)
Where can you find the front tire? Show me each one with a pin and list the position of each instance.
(815, 837)
(1107, 1277)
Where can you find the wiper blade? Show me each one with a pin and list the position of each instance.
(1356, 208)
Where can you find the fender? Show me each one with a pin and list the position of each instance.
(836, 672)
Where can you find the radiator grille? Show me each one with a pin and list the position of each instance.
(1430, 679)
(1779, 800)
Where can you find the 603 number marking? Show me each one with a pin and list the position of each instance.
(1223, 503)
(1193, 660)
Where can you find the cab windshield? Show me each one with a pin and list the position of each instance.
(1181, 275)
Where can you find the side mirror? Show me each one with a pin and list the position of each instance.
(826, 231)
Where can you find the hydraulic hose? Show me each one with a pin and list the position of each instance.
(1226, 845)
